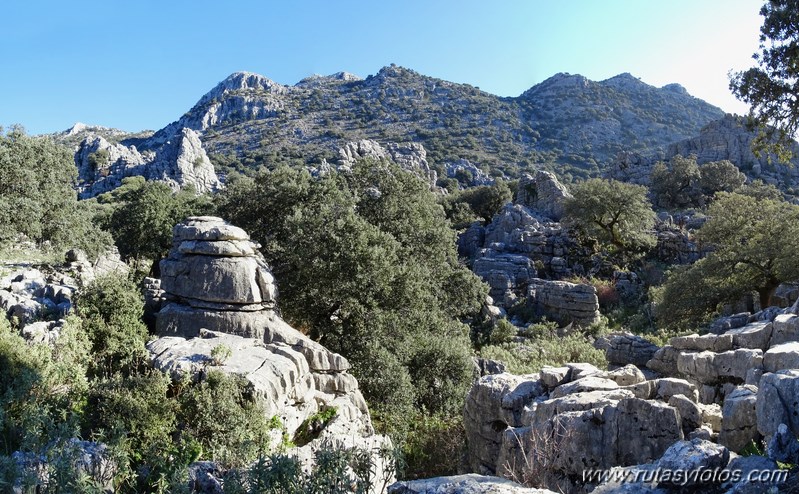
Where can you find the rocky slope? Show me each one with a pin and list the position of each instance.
(695, 403)
(567, 123)
(724, 139)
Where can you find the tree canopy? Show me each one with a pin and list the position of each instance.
(682, 183)
(366, 264)
(754, 242)
(617, 214)
(37, 198)
(772, 87)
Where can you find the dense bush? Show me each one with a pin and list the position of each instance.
(37, 199)
(366, 264)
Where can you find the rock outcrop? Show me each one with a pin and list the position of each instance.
(180, 161)
(220, 294)
(410, 156)
(564, 302)
(463, 484)
(543, 193)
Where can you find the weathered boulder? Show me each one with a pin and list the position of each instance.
(782, 356)
(712, 368)
(504, 273)
(739, 418)
(221, 315)
(786, 328)
(542, 193)
(777, 403)
(694, 457)
(664, 361)
(627, 348)
(708, 342)
(754, 335)
(564, 302)
(488, 413)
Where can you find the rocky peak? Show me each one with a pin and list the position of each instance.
(559, 80)
(319, 81)
(675, 88)
(242, 81)
(624, 81)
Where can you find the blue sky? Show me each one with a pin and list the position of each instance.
(140, 65)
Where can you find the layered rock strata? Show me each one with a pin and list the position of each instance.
(220, 294)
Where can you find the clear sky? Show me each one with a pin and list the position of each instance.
(140, 65)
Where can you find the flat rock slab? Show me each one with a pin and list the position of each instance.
(754, 335)
(207, 228)
(782, 356)
(471, 483)
(590, 383)
(709, 342)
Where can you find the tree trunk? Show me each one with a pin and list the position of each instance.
(767, 293)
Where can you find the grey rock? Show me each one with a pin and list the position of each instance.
(230, 280)
(564, 302)
(753, 335)
(694, 455)
(782, 356)
(777, 403)
(668, 387)
(754, 465)
(543, 193)
(625, 376)
(783, 446)
(579, 370)
(463, 484)
(708, 342)
(739, 418)
(552, 377)
(627, 348)
(690, 413)
(590, 383)
(664, 361)
(207, 228)
(786, 328)
(711, 368)
(485, 417)
(712, 416)
(724, 324)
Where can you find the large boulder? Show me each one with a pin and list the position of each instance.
(220, 313)
(543, 193)
(463, 484)
(564, 302)
(777, 402)
(739, 418)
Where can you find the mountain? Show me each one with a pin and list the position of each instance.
(727, 138)
(568, 124)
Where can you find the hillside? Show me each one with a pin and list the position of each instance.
(567, 123)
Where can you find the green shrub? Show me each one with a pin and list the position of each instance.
(112, 308)
(531, 356)
(220, 414)
(434, 446)
(503, 332)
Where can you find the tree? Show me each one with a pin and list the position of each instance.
(367, 265)
(719, 176)
(617, 214)
(675, 185)
(37, 198)
(772, 87)
(142, 221)
(754, 243)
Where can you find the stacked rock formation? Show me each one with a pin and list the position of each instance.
(699, 398)
(220, 293)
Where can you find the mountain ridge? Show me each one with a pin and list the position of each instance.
(567, 123)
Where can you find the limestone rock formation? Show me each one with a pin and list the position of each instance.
(543, 193)
(180, 161)
(410, 156)
(219, 293)
(463, 484)
(564, 302)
